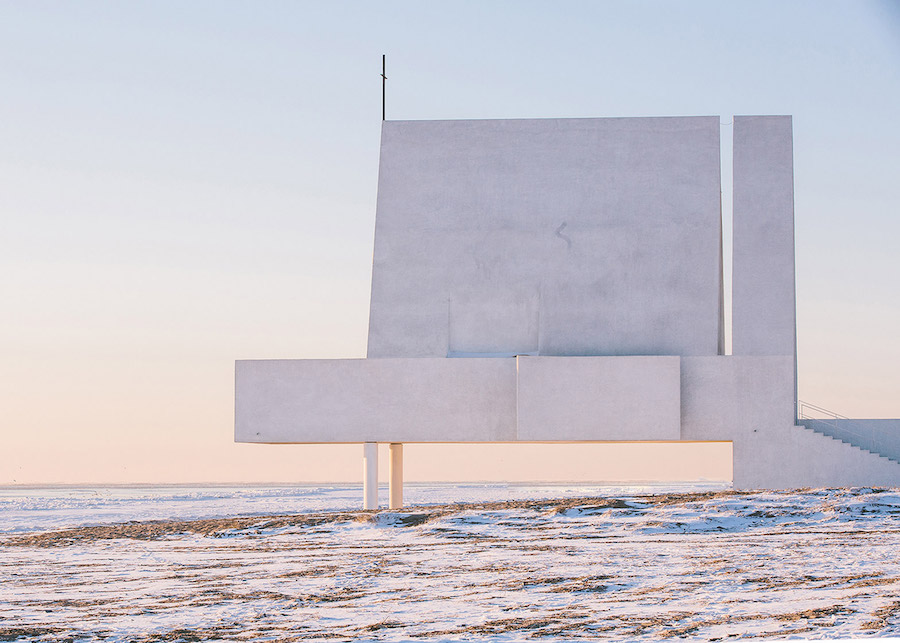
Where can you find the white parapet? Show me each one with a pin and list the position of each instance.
(501, 399)
(382, 400)
(599, 398)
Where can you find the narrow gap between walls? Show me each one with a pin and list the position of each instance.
(726, 138)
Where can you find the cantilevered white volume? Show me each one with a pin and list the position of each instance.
(562, 280)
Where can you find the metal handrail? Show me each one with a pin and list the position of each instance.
(819, 409)
(846, 426)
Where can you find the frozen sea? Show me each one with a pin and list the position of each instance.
(487, 562)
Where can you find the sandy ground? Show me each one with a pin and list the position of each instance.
(814, 564)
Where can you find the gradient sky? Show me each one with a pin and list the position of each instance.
(186, 184)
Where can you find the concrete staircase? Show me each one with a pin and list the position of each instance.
(824, 460)
(879, 437)
(853, 438)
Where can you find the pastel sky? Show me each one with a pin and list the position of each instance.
(186, 184)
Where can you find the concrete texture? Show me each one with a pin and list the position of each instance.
(749, 401)
(763, 308)
(827, 462)
(598, 398)
(385, 400)
(458, 400)
(556, 236)
(370, 475)
(395, 477)
(878, 436)
(593, 246)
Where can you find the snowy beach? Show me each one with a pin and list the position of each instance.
(507, 563)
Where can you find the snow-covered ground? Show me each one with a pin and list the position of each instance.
(35, 508)
(515, 563)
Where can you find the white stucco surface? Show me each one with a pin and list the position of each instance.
(557, 236)
(763, 302)
(594, 247)
(599, 398)
(748, 400)
(384, 400)
(881, 436)
(458, 400)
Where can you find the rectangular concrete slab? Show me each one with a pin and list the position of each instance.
(595, 236)
(763, 308)
(383, 400)
(599, 398)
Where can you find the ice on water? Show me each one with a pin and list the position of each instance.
(31, 508)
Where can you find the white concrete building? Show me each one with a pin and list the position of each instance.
(561, 280)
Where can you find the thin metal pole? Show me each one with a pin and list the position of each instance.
(383, 84)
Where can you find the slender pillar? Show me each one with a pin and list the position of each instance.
(395, 488)
(370, 475)
(763, 318)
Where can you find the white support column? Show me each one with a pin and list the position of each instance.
(370, 475)
(395, 487)
(764, 305)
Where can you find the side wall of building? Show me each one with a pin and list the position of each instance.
(763, 299)
(590, 398)
(560, 237)
(385, 400)
(500, 399)
(748, 400)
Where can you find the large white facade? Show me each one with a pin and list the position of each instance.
(561, 280)
(550, 237)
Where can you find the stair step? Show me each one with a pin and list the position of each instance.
(843, 441)
(883, 436)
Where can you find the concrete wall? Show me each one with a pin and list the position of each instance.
(565, 238)
(386, 400)
(743, 399)
(749, 401)
(558, 237)
(458, 400)
(599, 398)
(763, 308)
(878, 436)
